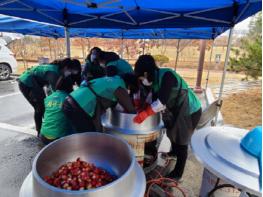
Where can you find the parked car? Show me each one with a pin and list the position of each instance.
(8, 63)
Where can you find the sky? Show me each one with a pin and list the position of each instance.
(241, 28)
(244, 24)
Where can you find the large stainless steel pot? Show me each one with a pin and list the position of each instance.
(139, 136)
(123, 122)
(106, 151)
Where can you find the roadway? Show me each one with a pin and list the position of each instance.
(15, 112)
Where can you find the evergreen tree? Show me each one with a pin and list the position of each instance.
(249, 58)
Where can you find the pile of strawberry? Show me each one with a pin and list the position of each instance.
(79, 175)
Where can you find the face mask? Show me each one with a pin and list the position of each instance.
(92, 57)
(67, 73)
(74, 72)
(70, 72)
(102, 65)
(146, 82)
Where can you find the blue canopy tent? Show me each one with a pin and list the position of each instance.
(135, 14)
(132, 14)
(26, 27)
(164, 33)
(58, 32)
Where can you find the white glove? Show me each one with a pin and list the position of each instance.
(157, 106)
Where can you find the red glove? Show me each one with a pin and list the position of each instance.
(140, 117)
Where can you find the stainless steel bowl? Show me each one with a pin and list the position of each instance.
(106, 151)
(123, 122)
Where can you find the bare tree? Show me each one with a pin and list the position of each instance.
(23, 48)
(131, 48)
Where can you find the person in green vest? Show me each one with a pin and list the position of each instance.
(180, 106)
(85, 105)
(32, 82)
(114, 64)
(92, 68)
(55, 124)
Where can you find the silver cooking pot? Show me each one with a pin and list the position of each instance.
(114, 120)
(106, 151)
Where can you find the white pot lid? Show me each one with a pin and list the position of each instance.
(218, 148)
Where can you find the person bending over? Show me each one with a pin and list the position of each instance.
(55, 124)
(180, 106)
(85, 105)
(32, 82)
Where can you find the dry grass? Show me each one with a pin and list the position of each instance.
(215, 77)
(243, 109)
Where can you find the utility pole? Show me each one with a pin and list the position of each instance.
(198, 88)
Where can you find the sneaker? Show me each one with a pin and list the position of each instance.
(168, 155)
(171, 154)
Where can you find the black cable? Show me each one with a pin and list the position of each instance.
(217, 182)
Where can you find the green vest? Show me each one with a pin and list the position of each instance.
(122, 66)
(37, 71)
(104, 87)
(194, 103)
(55, 123)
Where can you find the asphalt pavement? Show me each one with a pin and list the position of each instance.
(17, 147)
(16, 156)
(14, 109)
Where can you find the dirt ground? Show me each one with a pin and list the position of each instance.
(243, 109)
(215, 76)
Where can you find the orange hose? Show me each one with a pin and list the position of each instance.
(158, 173)
(159, 182)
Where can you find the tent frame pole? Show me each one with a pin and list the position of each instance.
(122, 48)
(177, 53)
(143, 48)
(67, 38)
(122, 45)
(56, 49)
(224, 73)
(209, 65)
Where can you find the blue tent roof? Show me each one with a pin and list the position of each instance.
(133, 14)
(15, 25)
(165, 33)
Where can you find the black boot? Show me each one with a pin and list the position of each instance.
(181, 154)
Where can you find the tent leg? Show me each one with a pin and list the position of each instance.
(122, 47)
(224, 72)
(143, 48)
(209, 65)
(177, 54)
(67, 37)
(198, 88)
(57, 49)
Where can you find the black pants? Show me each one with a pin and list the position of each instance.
(37, 102)
(181, 151)
(79, 119)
